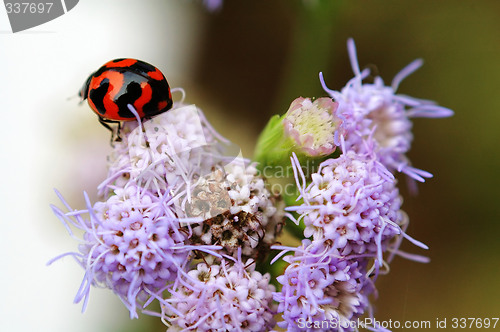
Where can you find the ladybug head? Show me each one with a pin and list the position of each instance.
(84, 91)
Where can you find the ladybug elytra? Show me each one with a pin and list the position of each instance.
(123, 82)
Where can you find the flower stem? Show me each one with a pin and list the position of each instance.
(312, 49)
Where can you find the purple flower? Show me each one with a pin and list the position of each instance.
(376, 117)
(174, 149)
(352, 204)
(132, 244)
(351, 209)
(173, 194)
(136, 238)
(321, 285)
(230, 296)
(185, 158)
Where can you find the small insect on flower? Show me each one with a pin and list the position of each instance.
(122, 83)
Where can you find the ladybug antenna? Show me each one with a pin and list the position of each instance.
(183, 93)
(75, 96)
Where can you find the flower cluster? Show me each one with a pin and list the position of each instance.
(351, 212)
(377, 118)
(248, 216)
(171, 150)
(176, 192)
(321, 286)
(132, 244)
(350, 205)
(221, 192)
(185, 220)
(230, 296)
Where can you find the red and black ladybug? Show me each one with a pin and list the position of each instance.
(123, 82)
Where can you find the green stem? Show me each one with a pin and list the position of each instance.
(311, 51)
(272, 146)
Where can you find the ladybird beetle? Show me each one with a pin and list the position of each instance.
(123, 82)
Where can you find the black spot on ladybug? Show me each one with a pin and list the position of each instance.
(159, 94)
(97, 96)
(142, 67)
(132, 92)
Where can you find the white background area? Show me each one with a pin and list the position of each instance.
(48, 140)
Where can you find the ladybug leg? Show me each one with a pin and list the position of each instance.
(115, 134)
